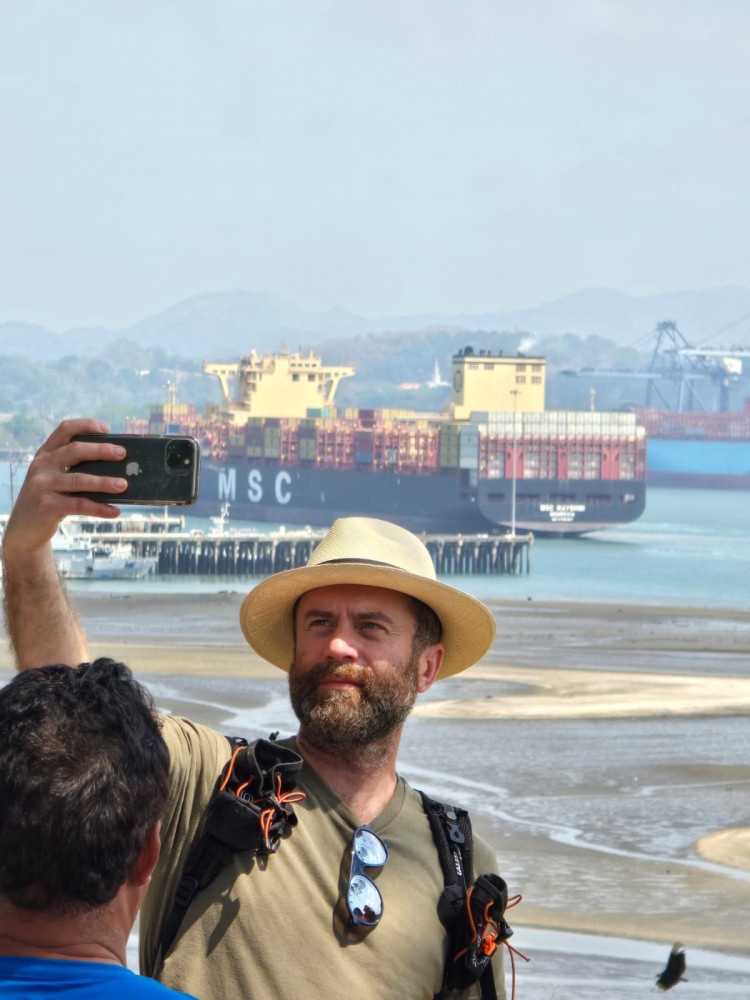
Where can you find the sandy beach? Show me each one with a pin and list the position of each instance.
(552, 661)
(169, 632)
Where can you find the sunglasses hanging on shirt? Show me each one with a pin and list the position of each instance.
(362, 895)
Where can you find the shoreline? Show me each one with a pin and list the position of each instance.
(164, 633)
(526, 632)
(563, 660)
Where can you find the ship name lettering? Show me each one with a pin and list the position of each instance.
(227, 484)
(254, 486)
(562, 508)
(562, 512)
(283, 479)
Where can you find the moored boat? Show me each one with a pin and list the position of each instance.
(84, 556)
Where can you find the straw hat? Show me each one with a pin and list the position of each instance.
(372, 553)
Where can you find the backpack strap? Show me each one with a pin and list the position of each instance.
(251, 811)
(470, 910)
(451, 831)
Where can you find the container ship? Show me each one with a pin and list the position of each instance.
(707, 447)
(277, 449)
(698, 450)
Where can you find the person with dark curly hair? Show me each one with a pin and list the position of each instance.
(83, 787)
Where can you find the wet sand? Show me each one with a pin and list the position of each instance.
(562, 660)
(168, 632)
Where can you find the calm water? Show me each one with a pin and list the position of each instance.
(691, 547)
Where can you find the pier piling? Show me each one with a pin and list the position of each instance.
(194, 554)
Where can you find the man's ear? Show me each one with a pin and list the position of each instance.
(149, 855)
(430, 663)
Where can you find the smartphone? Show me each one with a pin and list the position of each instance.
(160, 470)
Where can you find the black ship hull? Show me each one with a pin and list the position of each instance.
(442, 502)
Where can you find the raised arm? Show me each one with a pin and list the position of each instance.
(42, 624)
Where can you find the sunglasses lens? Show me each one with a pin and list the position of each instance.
(369, 849)
(364, 900)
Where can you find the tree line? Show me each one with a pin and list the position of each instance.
(128, 379)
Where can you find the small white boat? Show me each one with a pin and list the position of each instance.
(72, 554)
(85, 557)
(117, 562)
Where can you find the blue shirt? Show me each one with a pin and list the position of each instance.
(32, 978)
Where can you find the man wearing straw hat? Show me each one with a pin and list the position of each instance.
(348, 906)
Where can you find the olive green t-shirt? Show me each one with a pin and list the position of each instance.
(279, 929)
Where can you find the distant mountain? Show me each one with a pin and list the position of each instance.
(235, 322)
(29, 340)
(625, 319)
(220, 326)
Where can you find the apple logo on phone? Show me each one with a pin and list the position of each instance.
(132, 469)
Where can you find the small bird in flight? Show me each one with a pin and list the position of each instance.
(673, 972)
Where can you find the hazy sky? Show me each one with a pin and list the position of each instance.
(387, 156)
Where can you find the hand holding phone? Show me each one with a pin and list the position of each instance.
(159, 470)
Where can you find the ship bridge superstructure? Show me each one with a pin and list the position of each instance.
(486, 382)
(276, 385)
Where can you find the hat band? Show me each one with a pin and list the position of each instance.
(369, 562)
(372, 562)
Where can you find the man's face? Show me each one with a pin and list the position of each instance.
(355, 674)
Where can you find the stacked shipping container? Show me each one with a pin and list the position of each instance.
(547, 445)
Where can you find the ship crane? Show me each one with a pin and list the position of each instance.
(675, 360)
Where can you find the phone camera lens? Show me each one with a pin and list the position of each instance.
(179, 455)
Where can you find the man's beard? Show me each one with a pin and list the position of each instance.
(352, 719)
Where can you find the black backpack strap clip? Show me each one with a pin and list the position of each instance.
(251, 811)
(478, 929)
(471, 910)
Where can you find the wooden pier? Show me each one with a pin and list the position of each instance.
(244, 554)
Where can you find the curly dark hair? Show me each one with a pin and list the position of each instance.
(83, 778)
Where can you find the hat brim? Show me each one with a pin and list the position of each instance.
(267, 613)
